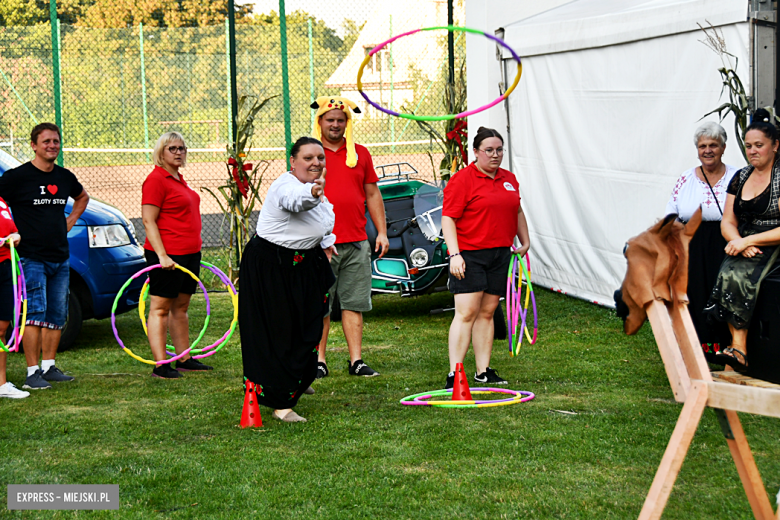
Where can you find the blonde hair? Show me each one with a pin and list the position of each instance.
(163, 142)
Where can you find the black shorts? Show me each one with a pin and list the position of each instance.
(169, 284)
(6, 292)
(486, 270)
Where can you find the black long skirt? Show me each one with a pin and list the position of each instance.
(706, 253)
(281, 304)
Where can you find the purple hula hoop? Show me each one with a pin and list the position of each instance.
(113, 315)
(225, 280)
(467, 113)
(20, 294)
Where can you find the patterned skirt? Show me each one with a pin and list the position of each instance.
(734, 296)
(706, 254)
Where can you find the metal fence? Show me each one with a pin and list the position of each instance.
(121, 88)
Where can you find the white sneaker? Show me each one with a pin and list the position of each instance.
(9, 390)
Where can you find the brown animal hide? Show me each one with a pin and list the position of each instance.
(657, 267)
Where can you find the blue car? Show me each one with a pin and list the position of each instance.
(104, 253)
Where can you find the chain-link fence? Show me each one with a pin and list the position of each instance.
(122, 88)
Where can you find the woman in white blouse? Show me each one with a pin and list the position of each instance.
(285, 277)
(705, 186)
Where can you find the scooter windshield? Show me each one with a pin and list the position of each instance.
(427, 208)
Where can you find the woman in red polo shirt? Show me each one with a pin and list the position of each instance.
(480, 219)
(171, 215)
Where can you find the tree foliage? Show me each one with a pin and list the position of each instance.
(23, 12)
(185, 78)
(351, 32)
(297, 26)
(117, 14)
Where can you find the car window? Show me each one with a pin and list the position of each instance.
(7, 162)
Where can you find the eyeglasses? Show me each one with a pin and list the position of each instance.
(177, 149)
(498, 152)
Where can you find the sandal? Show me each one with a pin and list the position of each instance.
(728, 356)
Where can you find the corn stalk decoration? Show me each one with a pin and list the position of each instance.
(453, 143)
(738, 101)
(239, 195)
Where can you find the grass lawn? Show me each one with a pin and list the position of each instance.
(176, 450)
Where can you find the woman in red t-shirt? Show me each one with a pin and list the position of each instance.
(480, 219)
(8, 232)
(171, 216)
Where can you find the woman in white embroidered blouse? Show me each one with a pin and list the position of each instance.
(705, 186)
(285, 277)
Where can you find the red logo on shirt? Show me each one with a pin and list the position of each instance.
(52, 189)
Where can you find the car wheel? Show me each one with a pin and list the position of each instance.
(72, 325)
(335, 313)
(499, 324)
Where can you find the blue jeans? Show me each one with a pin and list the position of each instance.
(47, 292)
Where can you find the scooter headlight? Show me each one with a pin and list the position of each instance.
(419, 257)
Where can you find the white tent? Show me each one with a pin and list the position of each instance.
(602, 122)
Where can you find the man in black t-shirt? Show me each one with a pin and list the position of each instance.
(37, 193)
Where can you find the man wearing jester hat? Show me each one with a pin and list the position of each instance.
(351, 187)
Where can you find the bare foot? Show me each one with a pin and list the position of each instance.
(287, 416)
(739, 356)
(281, 414)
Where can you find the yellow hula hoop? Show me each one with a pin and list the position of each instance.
(15, 266)
(142, 309)
(116, 333)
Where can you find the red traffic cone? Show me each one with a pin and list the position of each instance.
(460, 391)
(250, 416)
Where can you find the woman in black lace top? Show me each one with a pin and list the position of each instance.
(751, 225)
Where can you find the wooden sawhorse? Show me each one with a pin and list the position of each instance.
(694, 386)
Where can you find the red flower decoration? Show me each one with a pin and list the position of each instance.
(460, 130)
(241, 182)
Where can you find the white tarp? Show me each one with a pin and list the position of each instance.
(600, 135)
(585, 24)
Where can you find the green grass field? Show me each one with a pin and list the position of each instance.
(176, 450)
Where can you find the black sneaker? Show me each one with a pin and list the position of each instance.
(192, 365)
(36, 381)
(56, 375)
(361, 369)
(490, 376)
(165, 371)
(450, 381)
(322, 370)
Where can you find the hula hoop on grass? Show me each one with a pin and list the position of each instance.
(448, 116)
(20, 300)
(518, 396)
(198, 353)
(186, 351)
(514, 310)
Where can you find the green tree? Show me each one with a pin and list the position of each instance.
(351, 33)
(23, 12)
(116, 14)
(157, 13)
(297, 26)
